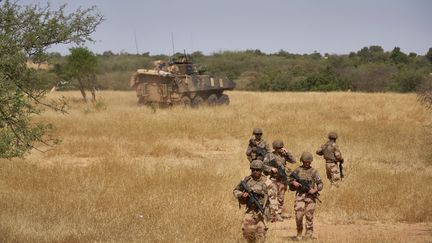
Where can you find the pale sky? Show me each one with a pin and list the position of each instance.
(296, 26)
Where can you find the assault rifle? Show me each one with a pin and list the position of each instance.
(259, 151)
(280, 174)
(341, 169)
(253, 197)
(305, 187)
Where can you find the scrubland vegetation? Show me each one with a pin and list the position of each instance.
(125, 173)
(370, 69)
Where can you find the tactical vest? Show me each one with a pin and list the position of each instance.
(257, 186)
(258, 149)
(307, 174)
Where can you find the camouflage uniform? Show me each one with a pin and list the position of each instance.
(304, 204)
(277, 187)
(331, 153)
(253, 226)
(258, 147)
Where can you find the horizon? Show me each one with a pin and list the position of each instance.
(298, 27)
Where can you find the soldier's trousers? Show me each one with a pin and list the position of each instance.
(253, 227)
(276, 195)
(304, 205)
(332, 171)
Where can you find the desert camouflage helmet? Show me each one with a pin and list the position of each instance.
(306, 156)
(332, 135)
(277, 144)
(256, 164)
(257, 131)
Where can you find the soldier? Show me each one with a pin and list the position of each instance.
(258, 147)
(253, 226)
(275, 165)
(331, 153)
(173, 68)
(160, 66)
(304, 204)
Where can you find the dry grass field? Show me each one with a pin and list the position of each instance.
(125, 173)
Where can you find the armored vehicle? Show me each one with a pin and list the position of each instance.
(179, 83)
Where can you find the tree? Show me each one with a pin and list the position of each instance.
(82, 65)
(398, 57)
(429, 55)
(25, 33)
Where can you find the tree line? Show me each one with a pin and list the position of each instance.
(370, 69)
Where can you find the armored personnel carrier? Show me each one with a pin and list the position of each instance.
(179, 83)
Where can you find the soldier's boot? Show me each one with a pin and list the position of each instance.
(333, 185)
(308, 235)
(276, 218)
(299, 234)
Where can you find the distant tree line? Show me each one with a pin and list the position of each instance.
(371, 69)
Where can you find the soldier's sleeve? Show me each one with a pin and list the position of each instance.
(320, 150)
(266, 191)
(290, 158)
(237, 193)
(249, 153)
(249, 148)
(337, 153)
(318, 180)
(267, 147)
(266, 166)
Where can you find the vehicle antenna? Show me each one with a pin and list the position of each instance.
(184, 51)
(136, 43)
(172, 41)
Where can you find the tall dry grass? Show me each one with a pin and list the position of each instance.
(125, 173)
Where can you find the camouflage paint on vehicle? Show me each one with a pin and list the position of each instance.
(181, 84)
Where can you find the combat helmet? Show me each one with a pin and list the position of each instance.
(332, 135)
(277, 144)
(257, 131)
(306, 157)
(256, 164)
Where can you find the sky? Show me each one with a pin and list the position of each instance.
(295, 26)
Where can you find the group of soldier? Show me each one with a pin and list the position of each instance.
(263, 192)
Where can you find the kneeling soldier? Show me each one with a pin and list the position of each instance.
(306, 181)
(252, 192)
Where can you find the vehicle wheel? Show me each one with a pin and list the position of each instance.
(212, 100)
(223, 100)
(185, 101)
(197, 101)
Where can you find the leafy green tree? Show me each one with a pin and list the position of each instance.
(398, 57)
(82, 66)
(25, 33)
(407, 80)
(372, 54)
(323, 80)
(429, 55)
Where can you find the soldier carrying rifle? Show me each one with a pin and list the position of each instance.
(252, 192)
(306, 181)
(275, 163)
(257, 147)
(332, 155)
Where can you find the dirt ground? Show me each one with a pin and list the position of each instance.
(366, 231)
